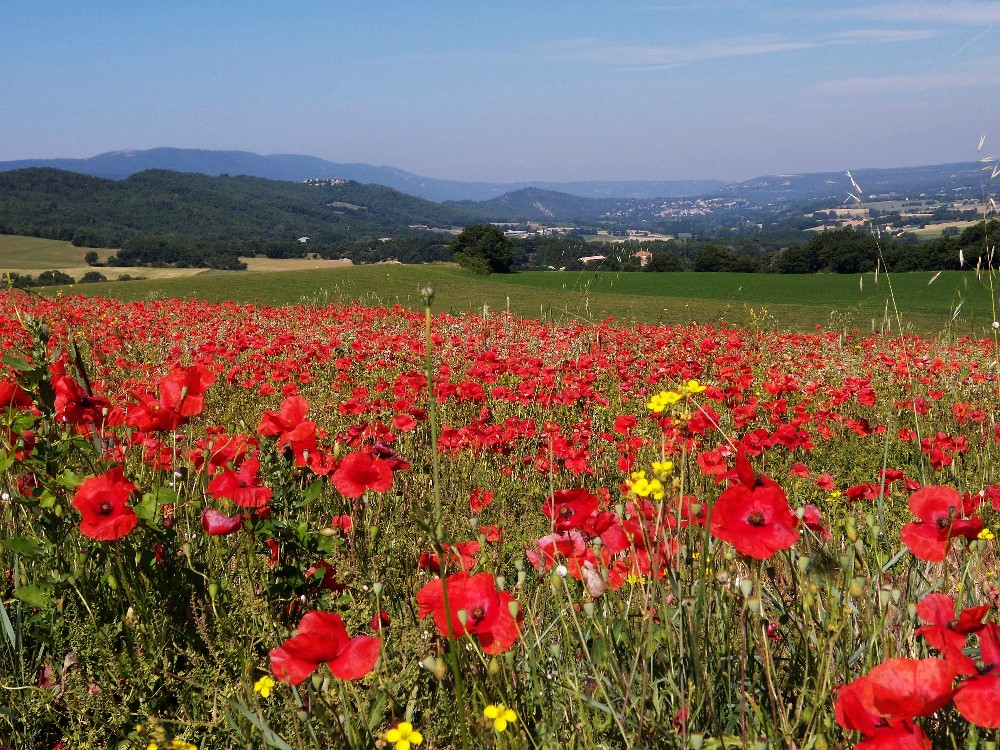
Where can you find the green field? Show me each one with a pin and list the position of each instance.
(773, 301)
(795, 302)
(37, 254)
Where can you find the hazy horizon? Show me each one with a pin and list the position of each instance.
(568, 91)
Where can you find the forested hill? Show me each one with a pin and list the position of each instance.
(97, 212)
(535, 204)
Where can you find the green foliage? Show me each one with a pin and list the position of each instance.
(483, 249)
(207, 216)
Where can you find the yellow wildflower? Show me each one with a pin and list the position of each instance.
(693, 386)
(403, 736)
(662, 400)
(662, 468)
(645, 488)
(263, 686)
(500, 715)
(986, 534)
(182, 745)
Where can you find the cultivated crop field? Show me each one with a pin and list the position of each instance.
(229, 525)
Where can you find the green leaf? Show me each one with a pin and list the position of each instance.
(69, 479)
(312, 492)
(377, 714)
(18, 363)
(23, 546)
(146, 510)
(33, 596)
(6, 462)
(266, 733)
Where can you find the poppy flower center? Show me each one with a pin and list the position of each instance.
(943, 522)
(755, 518)
(105, 508)
(477, 615)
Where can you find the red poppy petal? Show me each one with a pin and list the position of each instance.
(357, 658)
(978, 700)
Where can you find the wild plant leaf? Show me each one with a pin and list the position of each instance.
(34, 596)
(23, 546)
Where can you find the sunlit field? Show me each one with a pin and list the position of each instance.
(226, 525)
(954, 303)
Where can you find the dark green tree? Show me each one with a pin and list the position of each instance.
(482, 248)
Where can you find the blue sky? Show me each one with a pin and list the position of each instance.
(508, 91)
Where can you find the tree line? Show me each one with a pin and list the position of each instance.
(484, 249)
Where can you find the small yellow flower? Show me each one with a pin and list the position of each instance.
(662, 400)
(662, 468)
(645, 488)
(152, 746)
(403, 736)
(986, 534)
(182, 745)
(263, 686)
(500, 715)
(693, 386)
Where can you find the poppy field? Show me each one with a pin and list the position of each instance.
(311, 526)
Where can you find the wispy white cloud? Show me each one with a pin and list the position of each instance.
(879, 36)
(957, 12)
(647, 57)
(637, 56)
(985, 74)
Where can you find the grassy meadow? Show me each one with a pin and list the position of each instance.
(771, 301)
(925, 302)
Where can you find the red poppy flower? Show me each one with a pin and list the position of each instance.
(937, 508)
(241, 486)
(813, 520)
(74, 405)
(474, 599)
(978, 699)
(459, 555)
(181, 396)
(343, 523)
(184, 388)
(379, 621)
(101, 503)
(753, 514)
(323, 638)
(358, 472)
(291, 427)
(479, 499)
(13, 395)
(948, 634)
(569, 509)
(219, 524)
(881, 705)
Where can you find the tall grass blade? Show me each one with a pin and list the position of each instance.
(8, 628)
(266, 733)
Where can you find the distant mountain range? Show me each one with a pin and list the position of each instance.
(949, 181)
(117, 165)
